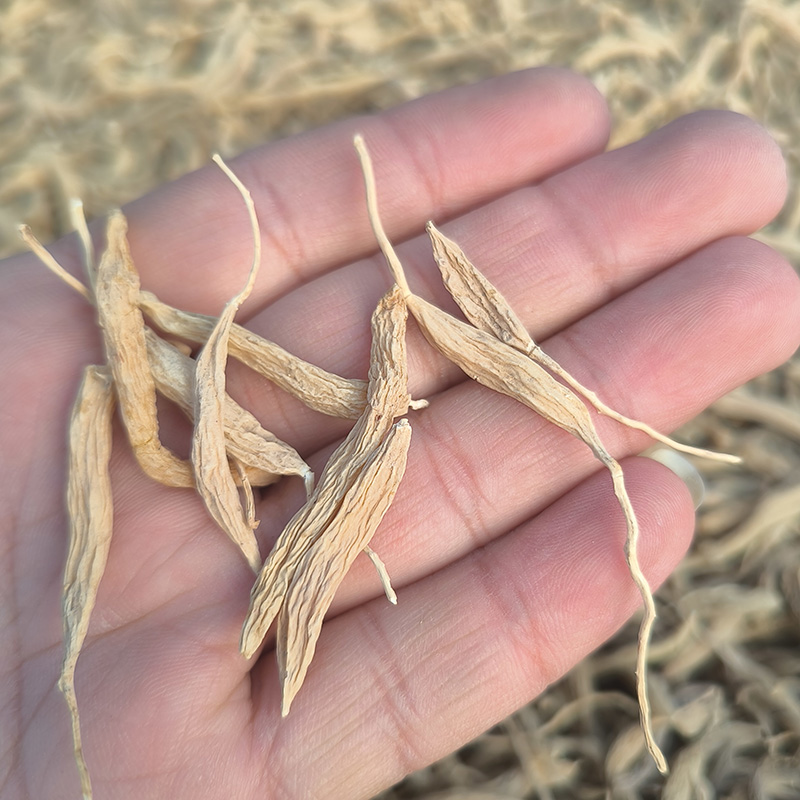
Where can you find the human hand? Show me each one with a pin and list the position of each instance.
(505, 539)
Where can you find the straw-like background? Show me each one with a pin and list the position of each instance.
(105, 99)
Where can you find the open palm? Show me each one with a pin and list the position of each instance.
(504, 542)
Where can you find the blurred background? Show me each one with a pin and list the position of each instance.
(105, 99)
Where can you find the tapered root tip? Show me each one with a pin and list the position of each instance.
(246, 646)
(395, 267)
(308, 482)
(286, 706)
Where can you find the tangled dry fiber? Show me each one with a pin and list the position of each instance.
(107, 98)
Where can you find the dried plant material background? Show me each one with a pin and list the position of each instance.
(106, 100)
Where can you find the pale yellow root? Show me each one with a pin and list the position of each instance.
(383, 574)
(78, 219)
(44, 256)
(649, 618)
(537, 354)
(66, 686)
(374, 217)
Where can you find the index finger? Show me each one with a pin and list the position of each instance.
(191, 241)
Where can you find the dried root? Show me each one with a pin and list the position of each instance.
(91, 519)
(215, 484)
(315, 550)
(497, 351)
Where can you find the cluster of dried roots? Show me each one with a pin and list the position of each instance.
(231, 452)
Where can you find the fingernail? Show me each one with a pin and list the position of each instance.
(684, 469)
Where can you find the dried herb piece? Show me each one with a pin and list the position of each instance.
(215, 484)
(383, 574)
(387, 398)
(116, 298)
(324, 565)
(90, 510)
(493, 363)
(78, 220)
(318, 389)
(486, 308)
(47, 259)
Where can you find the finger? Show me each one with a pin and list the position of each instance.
(586, 235)
(481, 463)
(399, 687)
(701, 178)
(438, 156)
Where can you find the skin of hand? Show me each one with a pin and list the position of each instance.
(505, 543)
